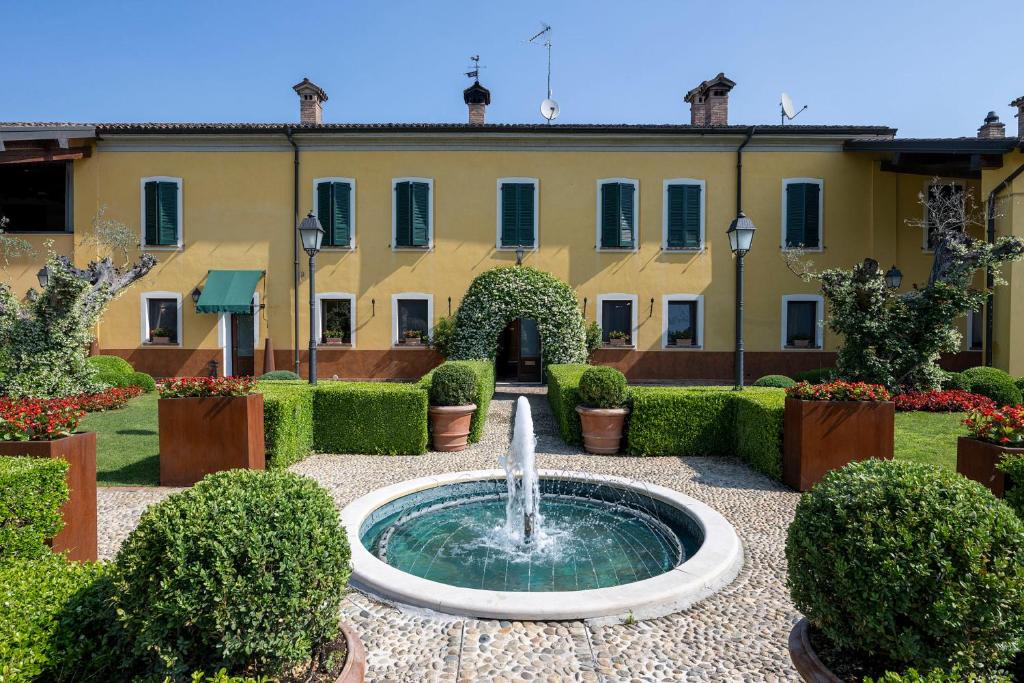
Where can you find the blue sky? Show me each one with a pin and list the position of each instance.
(928, 68)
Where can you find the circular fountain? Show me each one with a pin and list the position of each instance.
(526, 545)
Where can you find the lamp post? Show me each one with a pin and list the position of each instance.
(741, 235)
(312, 235)
(893, 277)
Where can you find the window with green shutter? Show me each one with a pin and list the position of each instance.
(412, 214)
(803, 215)
(683, 206)
(517, 214)
(334, 210)
(618, 215)
(161, 213)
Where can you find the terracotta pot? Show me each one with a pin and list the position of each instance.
(335, 340)
(977, 460)
(354, 670)
(801, 343)
(202, 435)
(413, 341)
(820, 436)
(805, 659)
(78, 537)
(160, 340)
(684, 341)
(602, 429)
(616, 342)
(450, 426)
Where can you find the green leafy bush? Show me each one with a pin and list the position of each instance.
(1019, 383)
(113, 379)
(143, 381)
(758, 429)
(776, 381)
(593, 337)
(815, 376)
(279, 375)
(112, 364)
(1012, 465)
(246, 571)
(484, 372)
(369, 417)
(937, 676)
(31, 493)
(955, 380)
(452, 385)
(563, 396)
(287, 421)
(442, 334)
(909, 565)
(603, 387)
(681, 421)
(994, 383)
(222, 676)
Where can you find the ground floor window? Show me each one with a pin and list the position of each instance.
(683, 320)
(411, 318)
(336, 318)
(617, 318)
(975, 333)
(161, 318)
(802, 321)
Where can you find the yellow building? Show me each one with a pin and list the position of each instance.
(634, 217)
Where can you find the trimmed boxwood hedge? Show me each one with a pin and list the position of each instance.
(484, 371)
(369, 417)
(31, 493)
(563, 396)
(758, 423)
(287, 421)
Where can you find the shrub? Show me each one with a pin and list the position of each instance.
(947, 401)
(563, 396)
(1012, 465)
(279, 375)
(681, 421)
(287, 421)
(369, 417)
(112, 379)
(112, 364)
(603, 387)
(32, 491)
(484, 373)
(910, 565)
(38, 419)
(1003, 426)
(839, 391)
(442, 334)
(937, 676)
(246, 570)
(994, 383)
(185, 387)
(955, 381)
(776, 381)
(758, 429)
(815, 376)
(593, 333)
(143, 381)
(452, 385)
(1019, 383)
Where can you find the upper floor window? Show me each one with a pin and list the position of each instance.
(616, 213)
(682, 317)
(335, 318)
(684, 214)
(801, 213)
(802, 321)
(944, 211)
(517, 213)
(36, 197)
(411, 316)
(335, 208)
(616, 316)
(161, 212)
(413, 213)
(161, 318)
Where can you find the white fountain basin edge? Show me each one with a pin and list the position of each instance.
(715, 564)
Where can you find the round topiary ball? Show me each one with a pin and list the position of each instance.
(143, 381)
(997, 384)
(815, 376)
(955, 380)
(909, 565)
(603, 387)
(452, 384)
(112, 364)
(777, 381)
(279, 375)
(245, 571)
(114, 379)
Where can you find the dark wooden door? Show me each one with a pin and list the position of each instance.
(243, 344)
(529, 366)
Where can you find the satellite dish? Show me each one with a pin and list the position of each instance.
(549, 109)
(787, 106)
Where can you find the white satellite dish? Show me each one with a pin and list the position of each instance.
(549, 109)
(787, 106)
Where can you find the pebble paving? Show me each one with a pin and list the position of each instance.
(738, 634)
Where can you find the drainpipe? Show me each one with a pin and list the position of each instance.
(739, 169)
(990, 279)
(295, 243)
(739, 262)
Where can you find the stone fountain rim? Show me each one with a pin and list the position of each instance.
(715, 564)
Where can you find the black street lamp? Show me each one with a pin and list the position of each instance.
(43, 276)
(312, 235)
(741, 235)
(893, 277)
(195, 294)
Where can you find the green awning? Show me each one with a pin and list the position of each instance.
(228, 291)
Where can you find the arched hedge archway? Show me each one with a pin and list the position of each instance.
(500, 295)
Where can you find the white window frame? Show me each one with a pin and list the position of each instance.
(336, 296)
(618, 296)
(536, 214)
(666, 299)
(819, 321)
(394, 213)
(144, 327)
(142, 213)
(636, 215)
(664, 214)
(969, 336)
(928, 185)
(415, 296)
(786, 182)
(352, 207)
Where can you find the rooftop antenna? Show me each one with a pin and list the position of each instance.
(787, 110)
(548, 108)
(474, 68)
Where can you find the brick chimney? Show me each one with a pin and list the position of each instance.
(1019, 103)
(993, 128)
(477, 97)
(311, 101)
(709, 102)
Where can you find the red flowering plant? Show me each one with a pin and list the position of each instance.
(108, 399)
(186, 387)
(1003, 426)
(951, 401)
(38, 419)
(839, 391)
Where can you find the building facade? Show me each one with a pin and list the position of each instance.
(634, 217)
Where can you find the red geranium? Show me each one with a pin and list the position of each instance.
(183, 387)
(951, 401)
(839, 391)
(1004, 426)
(108, 399)
(35, 419)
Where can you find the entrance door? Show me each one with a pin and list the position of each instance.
(519, 352)
(243, 344)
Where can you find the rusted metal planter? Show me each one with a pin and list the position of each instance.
(78, 537)
(805, 659)
(602, 429)
(450, 426)
(354, 670)
(820, 436)
(977, 460)
(202, 435)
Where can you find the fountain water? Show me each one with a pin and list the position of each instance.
(522, 509)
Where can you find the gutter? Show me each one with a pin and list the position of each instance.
(295, 244)
(989, 273)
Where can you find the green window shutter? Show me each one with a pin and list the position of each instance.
(340, 234)
(152, 215)
(420, 214)
(323, 209)
(610, 196)
(524, 210)
(167, 211)
(812, 222)
(627, 216)
(796, 214)
(403, 215)
(509, 215)
(683, 216)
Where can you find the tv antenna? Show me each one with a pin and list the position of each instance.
(548, 108)
(787, 110)
(474, 68)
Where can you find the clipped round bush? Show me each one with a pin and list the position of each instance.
(111, 364)
(955, 380)
(909, 565)
(777, 381)
(994, 383)
(452, 384)
(1019, 382)
(245, 571)
(114, 379)
(143, 381)
(279, 374)
(815, 376)
(603, 387)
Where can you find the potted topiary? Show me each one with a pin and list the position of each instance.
(826, 426)
(603, 412)
(992, 434)
(334, 337)
(160, 335)
(452, 392)
(413, 338)
(618, 338)
(683, 337)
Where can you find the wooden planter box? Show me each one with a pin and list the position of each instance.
(199, 436)
(977, 460)
(820, 436)
(78, 537)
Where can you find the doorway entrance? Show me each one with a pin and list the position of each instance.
(518, 358)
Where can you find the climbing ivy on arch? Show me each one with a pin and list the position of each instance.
(500, 295)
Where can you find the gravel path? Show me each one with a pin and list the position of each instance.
(738, 634)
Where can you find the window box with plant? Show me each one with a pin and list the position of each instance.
(993, 434)
(335, 337)
(683, 337)
(603, 412)
(160, 335)
(618, 338)
(453, 389)
(208, 424)
(826, 426)
(413, 338)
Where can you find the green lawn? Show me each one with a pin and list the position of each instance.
(127, 443)
(928, 437)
